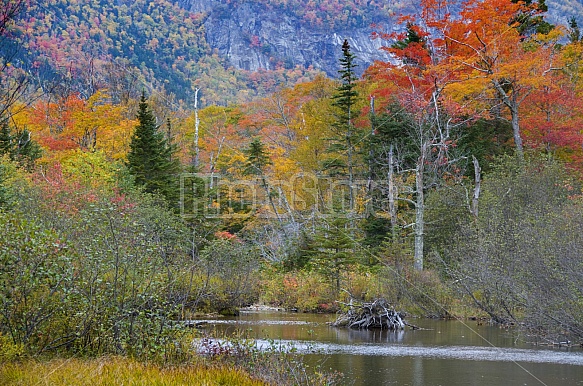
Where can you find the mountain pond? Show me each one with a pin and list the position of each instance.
(443, 352)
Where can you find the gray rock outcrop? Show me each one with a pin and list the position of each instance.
(251, 37)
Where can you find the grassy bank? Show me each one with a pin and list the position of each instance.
(118, 371)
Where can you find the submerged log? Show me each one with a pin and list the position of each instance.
(378, 314)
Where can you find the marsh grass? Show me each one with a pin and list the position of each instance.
(233, 360)
(119, 371)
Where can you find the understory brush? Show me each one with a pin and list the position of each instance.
(424, 294)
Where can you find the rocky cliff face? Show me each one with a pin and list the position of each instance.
(253, 38)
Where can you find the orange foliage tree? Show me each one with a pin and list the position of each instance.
(75, 123)
(493, 61)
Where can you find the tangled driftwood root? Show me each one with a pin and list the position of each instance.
(378, 314)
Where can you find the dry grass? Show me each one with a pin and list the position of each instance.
(118, 371)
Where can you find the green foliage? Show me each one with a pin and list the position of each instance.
(99, 279)
(228, 274)
(9, 351)
(574, 30)
(375, 229)
(6, 194)
(333, 249)
(150, 159)
(91, 169)
(342, 147)
(257, 158)
(37, 277)
(486, 140)
(447, 211)
(304, 290)
(392, 129)
(18, 146)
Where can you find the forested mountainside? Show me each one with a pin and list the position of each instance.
(232, 50)
(126, 46)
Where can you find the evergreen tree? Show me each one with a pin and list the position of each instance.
(574, 31)
(19, 146)
(6, 140)
(414, 37)
(150, 159)
(257, 160)
(332, 249)
(343, 147)
(532, 21)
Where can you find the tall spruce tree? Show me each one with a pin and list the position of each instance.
(150, 159)
(343, 146)
(332, 250)
(257, 160)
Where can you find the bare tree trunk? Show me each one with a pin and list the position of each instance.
(392, 194)
(516, 130)
(419, 213)
(512, 102)
(213, 162)
(270, 199)
(477, 187)
(196, 130)
(369, 206)
(350, 170)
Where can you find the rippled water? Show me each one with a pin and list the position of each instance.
(444, 353)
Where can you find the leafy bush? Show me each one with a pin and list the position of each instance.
(228, 274)
(98, 276)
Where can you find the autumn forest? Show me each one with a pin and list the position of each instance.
(143, 180)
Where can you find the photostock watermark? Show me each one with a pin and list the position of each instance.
(206, 195)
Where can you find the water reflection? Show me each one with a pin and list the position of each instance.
(447, 353)
(374, 336)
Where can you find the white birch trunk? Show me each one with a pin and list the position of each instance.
(419, 216)
(477, 187)
(196, 130)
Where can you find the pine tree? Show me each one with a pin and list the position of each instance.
(6, 140)
(150, 159)
(332, 249)
(532, 21)
(19, 146)
(343, 147)
(574, 31)
(257, 160)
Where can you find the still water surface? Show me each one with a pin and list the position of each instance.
(446, 353)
